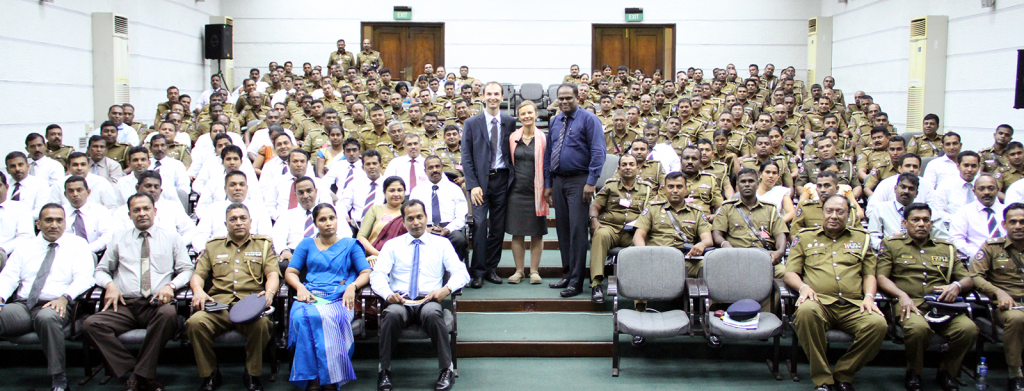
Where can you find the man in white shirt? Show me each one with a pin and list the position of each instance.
(296, 224)
(101, 193)
(887, 219)
(216, 86)
(171, 133)
(945, 167)
(1015, 193)
(410, 166)
(393, 278)
(86, 219)
(343, 173)
(446, 205)
(171, 215)
(277, 166)
(101, 165)
(884, 192)
(39, 165)
(261, 138)
(661, 152)
(138, 163)
(205, 147)
(33, 192)
(16, 223)
(364, 192)
(958, 191)
(288, 88)
(125, 133)
(48, 272)
(236, 189)
(172, 170)
(980, 220)
(282, 197)
(210, 184)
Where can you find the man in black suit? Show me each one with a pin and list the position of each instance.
(487, 165)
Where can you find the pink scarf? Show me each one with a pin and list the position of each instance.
(539, 143)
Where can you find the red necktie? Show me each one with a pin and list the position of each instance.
(292, 201)
(412, 174)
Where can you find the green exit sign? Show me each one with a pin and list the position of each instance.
(403, 15)
(634, 17)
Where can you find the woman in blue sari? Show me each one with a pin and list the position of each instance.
(320, 325)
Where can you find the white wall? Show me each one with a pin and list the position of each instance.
(871, 48)
(47, 61)
(527, 40)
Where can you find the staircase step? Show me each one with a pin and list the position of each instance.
(526, 297)
(534, 349)
(535, 327)
(548, 244)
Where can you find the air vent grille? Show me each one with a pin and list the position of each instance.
(812, 25)
(918, 28)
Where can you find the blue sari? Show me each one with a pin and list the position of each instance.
(321, 335)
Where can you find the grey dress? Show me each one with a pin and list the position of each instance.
(522, 217)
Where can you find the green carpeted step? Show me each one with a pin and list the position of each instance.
(521, 291)
(535, 326)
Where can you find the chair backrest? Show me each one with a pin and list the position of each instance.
(909, 135)
(924, 163)
(732, 274)
(531, 91)
(553, 91)
(508, 90)
(651, 273)
(611, 163)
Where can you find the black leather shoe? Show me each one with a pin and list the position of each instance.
(493, 278)
(560, 284)
(947, 383)
(65, 388)
(477, 283)
(252, 383)
(384, 381)
(446, 380)
(132, 384)
(570, 292)
(844, 386)
(1015, 384)
(912, 381)
(823, 387)
(329, 387)
(597, 294)
(152, 385)
(211, 383)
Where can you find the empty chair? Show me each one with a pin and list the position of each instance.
(611, 163)
(534, 92)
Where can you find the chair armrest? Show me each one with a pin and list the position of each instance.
(613, 286)
(696, 287)
(366, 291)
(882, 297)
(784, 291)
(978, 297)
(457, 292)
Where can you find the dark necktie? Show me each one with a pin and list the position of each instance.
(284, 170)
(993, 227)
(16, 195)
(156, 167)
(144, 279)
(44, 271)
(414, 280)
(494, 140)
(308, 229)
(903, 228)
(350, 177)
(370, 197)
(435, 207)
(292, 200)
(79, 225)
(556, 150)
(412, 173)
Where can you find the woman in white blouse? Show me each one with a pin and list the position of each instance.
(769, 190)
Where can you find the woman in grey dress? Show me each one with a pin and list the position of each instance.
(528, 209)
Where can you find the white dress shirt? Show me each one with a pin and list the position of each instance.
(451, 199)
(107, 168)
(204, 98)
(213, 189)
(352, 200)
(280, 96)
(211, 225)
(277, 200)
(885, 192)
(261, 138)
(101, 192)
(46, 169)
(276, 168)
(969, 226)
(887, 220)
(70, 273)
(174, 174)
(290, 228)
(204, 149)
(99, 227)
(125, 134)
(399, 167)
(393, 270)
(121, 264)
(498, 163)
(35, 193)
(667, 156)
(169, 215)
(941, 169)
(951, 195)
(1014, 193)
(126, 188)
(16, 225)
(338, 173)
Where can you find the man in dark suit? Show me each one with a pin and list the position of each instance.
(487, 165)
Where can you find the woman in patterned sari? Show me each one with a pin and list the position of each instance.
(320, 325)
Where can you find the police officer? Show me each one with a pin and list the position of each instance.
(649, 170)
(619, 137)
(847, 173)
(747, 222)
(929, 143)
(1013, 171)
(912, 265)
(54, 149)
(997, 271)
(762, 153)
(368, 55)
(703, 190)
(809, 210)
(344, 59)
(896, 149)
(451, 155)
(833, 269)
(613, 215)
(994, 156)
(115, 150)
(237, 266)
(674, 223)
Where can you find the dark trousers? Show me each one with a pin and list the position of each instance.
(17, 319)
(459, 241)
(103, 328)
(571, 225)
(488, 235)
(429, 316)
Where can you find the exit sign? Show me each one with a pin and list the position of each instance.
(403, 15)
(635, 17)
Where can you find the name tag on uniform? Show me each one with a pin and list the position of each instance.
(458, 167)
(625, 202)
(852, 246)
(704, 186)
(254, 254)
(222, 256)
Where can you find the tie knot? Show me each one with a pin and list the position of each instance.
(53, 245)
(434, 187)
(417, 242)
(144, 234)
(309, 213)
(494, 121)
(988, 210)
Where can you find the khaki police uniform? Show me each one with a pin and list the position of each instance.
(791, 160)
(657, 221)
(1007, 175)
(992, 270)
(369, 137)
(925, 146)
(181, 152)
(835, 269)
(570, 79)
(992, 160)
(765, 219)
(619, 145)
(847, 175)
(233, 272)
(792, 132)
(918, 271)
(703, 192)
(809, 214)
(344, 59)
(871, 160)
(451, 160)
(785, 176)
(652, 173)
(721, 172)
(620, 205)
(429, 143)
(844, 148)
(693, 129)
(161, 110)
(388, 152)
(315, 139)
(60, 154)
(677, 142)
(371, 57)
(119, 152)
(876, 175)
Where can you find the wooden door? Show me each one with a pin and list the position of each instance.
(406, 47)
(647, 47)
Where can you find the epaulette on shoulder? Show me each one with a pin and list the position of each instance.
(717, 163)
(750, 159)
(858, 229)
(659, 202)
(809, 229)
(731, 201)
(899, 236)
(262, 237)
(612, 179)
(644, 182)
(216, 238)
(996, 240)
(942, 241)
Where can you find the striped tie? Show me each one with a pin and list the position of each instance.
(16, 195)
(556, 151)
(156, 167)
(350, 177)
(308, 232)
(993, 227)
(370, 198)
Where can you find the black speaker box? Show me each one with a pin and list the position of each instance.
(1018, 101)
(218, 42)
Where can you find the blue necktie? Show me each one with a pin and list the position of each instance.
(556, 151)
(414, 280)
(435, 208)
